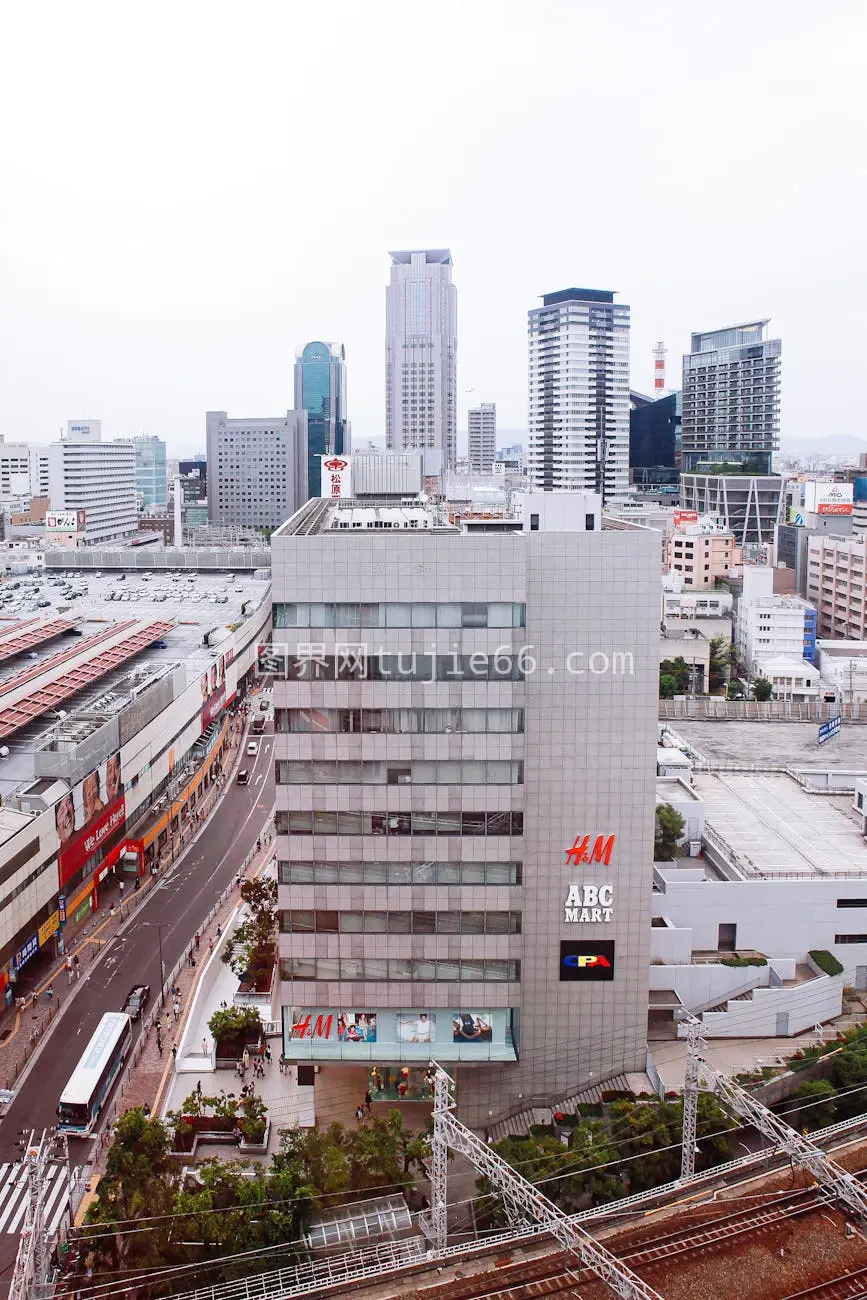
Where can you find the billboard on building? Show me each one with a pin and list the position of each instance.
(586, 960)
(213, 687)
(336, 477)
(65, 521)
(472, 1027)
(685, 517)
(828, 498)
(87, 817)
(419, 1027)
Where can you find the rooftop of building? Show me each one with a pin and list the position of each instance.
(577, 295)
(185, 607)
(772, 826)
(403, 257)
(772, 744)
(783, 601)
(842, 649)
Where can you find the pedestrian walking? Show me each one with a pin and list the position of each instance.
(210, 946)
(268, 1055)
(121, 887)
(174, 1051)
(246, 1057)
(34, 998)
(77, 966)
(159, 1045)
(199, 1089)
(359, 1114)
(176, 1010)
(197, 941)
(219, 930)
(70, 976)
(49, 993)
(168, 1022)
(367, 1100)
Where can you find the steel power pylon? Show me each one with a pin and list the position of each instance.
(524, 1202)
(691, 1084)
(30, 1274)
(800, 1149)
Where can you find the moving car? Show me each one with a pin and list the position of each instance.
(243, 777)
(252, 748)
(136, 1000)
(264, 705)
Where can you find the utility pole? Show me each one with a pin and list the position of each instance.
(30, 1277)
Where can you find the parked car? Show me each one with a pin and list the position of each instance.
(136, 1000)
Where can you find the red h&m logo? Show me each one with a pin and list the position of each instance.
(307, 1028)
(336, 463)
(581, 853)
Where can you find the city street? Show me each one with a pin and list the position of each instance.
(171, 913)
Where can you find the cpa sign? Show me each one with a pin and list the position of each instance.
(586, 962)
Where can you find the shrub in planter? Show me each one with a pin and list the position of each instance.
(590, 1109)
(542, 1130)
(744, 961)
(616, 1094)
(826, 961)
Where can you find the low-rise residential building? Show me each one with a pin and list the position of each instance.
(792, 679)
(701, 554)
(836, 574)
(772, 627)
(843, 665)
(693, 647)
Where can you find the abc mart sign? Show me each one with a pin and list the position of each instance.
(589, 903)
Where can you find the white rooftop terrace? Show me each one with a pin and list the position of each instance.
(774, 827)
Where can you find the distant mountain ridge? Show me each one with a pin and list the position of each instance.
(835, 444)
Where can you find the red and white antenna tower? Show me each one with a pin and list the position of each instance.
(659, 350)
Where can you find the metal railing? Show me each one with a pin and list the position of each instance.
(705, 708)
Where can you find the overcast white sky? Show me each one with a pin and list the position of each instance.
(188, 190)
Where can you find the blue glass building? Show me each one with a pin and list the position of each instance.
(320, 390)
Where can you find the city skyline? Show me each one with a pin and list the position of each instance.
(183, 301)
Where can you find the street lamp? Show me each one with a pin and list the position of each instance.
(151, 925)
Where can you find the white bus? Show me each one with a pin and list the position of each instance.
(84, 1095)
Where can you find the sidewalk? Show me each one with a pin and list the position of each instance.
(21, 1031)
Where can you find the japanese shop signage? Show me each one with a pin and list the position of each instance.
(589, 903)
(336, 477)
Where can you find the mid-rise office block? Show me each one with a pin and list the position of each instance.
(421, 343)
(150, 470)
(320, 390)
(257, 469)
(465, 737)
(731, 398)
(98, 478)
(749, 506)
(701, 555)
(654, 433)
(836, 574)
(482, 437)
(578, 435)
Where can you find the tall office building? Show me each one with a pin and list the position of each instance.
(98, 478)
(578, 435)
(257, 469)
(150, 469)
(320, 390)
(731, 398)
(465, 799)
(482, 437)
(421, 343)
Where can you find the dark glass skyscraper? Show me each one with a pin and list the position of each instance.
(320, 390)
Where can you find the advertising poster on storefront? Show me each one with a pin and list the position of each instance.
(356, 1026)
(472, 1027)
(417, 1027)
(212, 684)
(88, 816)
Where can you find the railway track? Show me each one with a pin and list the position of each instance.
(852, 1286)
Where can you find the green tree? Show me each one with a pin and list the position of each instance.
(235, 1023)
(568, 1175)
(679, 669)
(137, 1183)
(819, 1103)
(249, 951)
(669, 833)
(720, 661)
(667, 686)
(733, 691)
(762, 689)
(849, 1075)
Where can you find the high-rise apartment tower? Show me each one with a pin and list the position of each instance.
(578, 434)
(731, 398)
(482, 437)
(420, 353)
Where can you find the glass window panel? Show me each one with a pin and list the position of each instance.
(375, 922)
(404, 722)
(351, 822)
(375, 968)
(424, 823)
(371, 616)
(503, 667)
(321, 615)
(352, 968)
(475, 771)
(424, 969)
(500, 615)
(448, 873)
(378, 824)
(517, 823)
(424, 668)
(514, 923)
(399, 873)
(424, 772)
(472, 923)
(400, 968)
(281, 822)
(498, 873)
(327, 922)
(448, 823)
(498, 719)
(300, 823)
(398, 615)
(285, 922)
(496, 971)
(327, 968)
(448, 971)
(350, 666)
(473, 873)
(424, 923)
(423, 873)
(346, 615)
(474, 823)
(475, 720)
(448, 615)
(497, 923)
(284, 873)
(448, 922)
(424, 615)
(375, 873)
(474, 614)
(519, 615)
(328, 873)
(394, 773)
(400, 923)
(448, 771)
(324, 772)
(298, 968)
(472, 970)
(325, 823)
(498, 771)
(372, 720)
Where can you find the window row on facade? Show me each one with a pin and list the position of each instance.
(401, 873)
(329, 921)
(352, 822)
(399, 722)
(355, 664)
(400, 970)
(442, 771)
(400, 614)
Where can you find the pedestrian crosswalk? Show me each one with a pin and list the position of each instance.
(14, 1195)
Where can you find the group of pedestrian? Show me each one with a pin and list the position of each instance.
(73, 968)
(363, 1108)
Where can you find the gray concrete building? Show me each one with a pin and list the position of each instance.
(465, 740)
(421, 343)
(92, 486)
(748, 505)
(482, 437)
(578, 431)
(257, 469)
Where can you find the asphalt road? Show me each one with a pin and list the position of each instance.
(179, 903)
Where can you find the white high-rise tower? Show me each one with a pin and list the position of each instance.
(420, 353)
(482, 437)
(578, 432)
